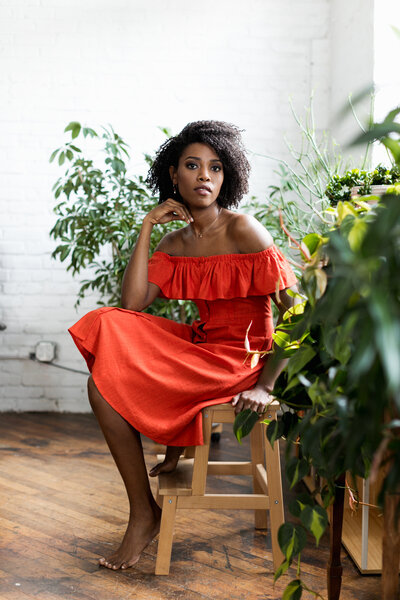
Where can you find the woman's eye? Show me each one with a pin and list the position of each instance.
(191, 165)
(216, 168)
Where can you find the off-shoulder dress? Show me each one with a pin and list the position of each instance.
(159, 374)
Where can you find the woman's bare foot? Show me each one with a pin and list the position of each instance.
(139, 534)
(169, 464)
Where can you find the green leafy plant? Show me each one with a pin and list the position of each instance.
(343, 372)
(100, 210)
(344, 367)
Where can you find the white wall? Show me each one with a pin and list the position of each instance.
(386, 78)
(135, 64)
(352, 66)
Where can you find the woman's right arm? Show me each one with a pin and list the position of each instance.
(137, 291)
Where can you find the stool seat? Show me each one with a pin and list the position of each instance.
(185, 487)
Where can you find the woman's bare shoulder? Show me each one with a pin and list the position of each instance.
(248, 233)
(171, 243)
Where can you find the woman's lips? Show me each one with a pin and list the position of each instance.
(203, 191)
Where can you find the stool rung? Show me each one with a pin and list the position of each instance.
(229, 468)
(225, 501)
(261, 476)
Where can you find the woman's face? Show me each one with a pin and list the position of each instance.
(199, 175)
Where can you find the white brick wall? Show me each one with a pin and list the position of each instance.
(136, 64)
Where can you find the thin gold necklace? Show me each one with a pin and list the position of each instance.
(200, 234)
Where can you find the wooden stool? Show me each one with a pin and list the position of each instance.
(186, 486)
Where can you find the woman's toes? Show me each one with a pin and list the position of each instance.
(155, 470)
(108, 564)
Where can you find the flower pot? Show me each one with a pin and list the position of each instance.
(376, 190)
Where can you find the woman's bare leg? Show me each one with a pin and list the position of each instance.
(172, 455)
(126, 448)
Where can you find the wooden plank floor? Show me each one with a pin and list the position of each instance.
(62, 504)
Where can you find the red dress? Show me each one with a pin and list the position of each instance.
(158, 374)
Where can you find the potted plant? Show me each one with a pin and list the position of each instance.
(99, 211)
(343, 346)
(358, 182)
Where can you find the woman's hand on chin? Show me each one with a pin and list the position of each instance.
(170, 210)
(256, 399)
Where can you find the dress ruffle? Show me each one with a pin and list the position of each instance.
(221, 276)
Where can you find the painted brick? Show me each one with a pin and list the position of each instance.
(241, 69)
(23, 392)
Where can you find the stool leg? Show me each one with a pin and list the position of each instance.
(166, 534)
(274, 478)
(200, 464)
(257, 457)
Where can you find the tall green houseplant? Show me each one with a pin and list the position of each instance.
(100, 210)
(343, 374)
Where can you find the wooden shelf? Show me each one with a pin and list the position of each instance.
(352, 538)
(365, 551)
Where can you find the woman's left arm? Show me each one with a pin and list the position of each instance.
(261, 395)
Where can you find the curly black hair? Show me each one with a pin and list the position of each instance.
(224, 139)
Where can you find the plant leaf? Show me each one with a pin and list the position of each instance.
(293, 591)
(283, 567)
(254, 360)
(244, 423)
(313, 241)
(246, 339)
(292, 539)
(299, 503)
(289, 420)
(296, 469)
(315, 519)
(53, 155)
(357, 234)
(293, 294)
(377, 131)
(71, 126)
(274, 431)
(305, 251)
(64, 252)
(295, 310)
(394, 148)
(303, 355)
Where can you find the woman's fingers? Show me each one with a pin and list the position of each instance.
(238, 408)
(182, 209)
(235, 399)
(171, 210)
(242, 402)
(237, 402)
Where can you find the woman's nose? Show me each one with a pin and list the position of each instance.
(204, 175)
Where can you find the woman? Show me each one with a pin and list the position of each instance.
(152, 375)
